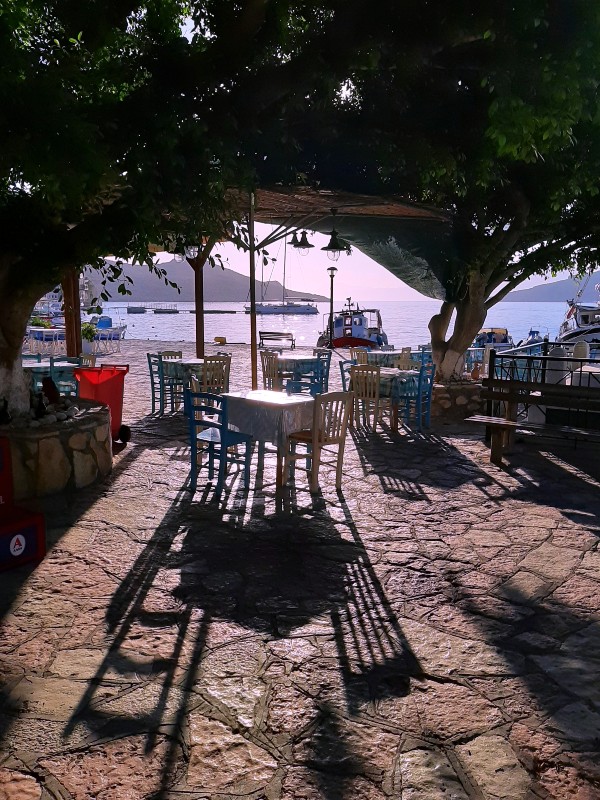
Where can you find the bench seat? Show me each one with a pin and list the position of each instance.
(267, 338)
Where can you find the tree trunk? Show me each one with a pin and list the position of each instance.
(449, 356)
(16, 305)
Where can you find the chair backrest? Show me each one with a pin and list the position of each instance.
(359, 354)
(404, 360)
(170, 355)
(154, 365)
(330, 417)
(205, 410)
(345, 372)
(215, 374)
(324, 357)
(426, 375)
(365, 381)
(87, 360)
(270, 370)
(302, 387)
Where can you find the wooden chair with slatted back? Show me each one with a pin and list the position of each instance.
(87, 360)
(270, 370)
(329, 426)
(364, 383)
(404, 361)
(359, 355)
(215, 374)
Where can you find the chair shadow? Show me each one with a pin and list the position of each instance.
(270, 576)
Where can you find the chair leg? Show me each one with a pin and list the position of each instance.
(247, 460)
(339, 465)
(314, 470)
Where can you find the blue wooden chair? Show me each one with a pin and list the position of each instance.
(324, 357)
(157, 386)
(209, 431)
(172, 383)
(415, 398)
(303, 387)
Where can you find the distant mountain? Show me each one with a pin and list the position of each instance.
(219, 285)
(556, 292)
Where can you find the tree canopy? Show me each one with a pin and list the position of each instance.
(489, 112)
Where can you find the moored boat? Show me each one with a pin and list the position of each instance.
(286, 307)
(354, 327)
(581, 322)
(499, 338)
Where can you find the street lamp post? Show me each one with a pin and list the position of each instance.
(331, 270)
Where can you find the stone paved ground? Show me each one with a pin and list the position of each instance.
(432, 632)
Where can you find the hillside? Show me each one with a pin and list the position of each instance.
(219, 285)
(556, 292)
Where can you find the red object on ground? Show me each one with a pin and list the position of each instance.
(104, 384)
(22, 532)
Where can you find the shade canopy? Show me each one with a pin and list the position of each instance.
(413, 242)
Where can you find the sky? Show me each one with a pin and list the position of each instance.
(358, 276)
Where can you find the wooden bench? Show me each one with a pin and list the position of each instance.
(579, 405)
(276, 337)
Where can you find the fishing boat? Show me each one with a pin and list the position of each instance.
(581, 322)
(354, 327)
(499, 338)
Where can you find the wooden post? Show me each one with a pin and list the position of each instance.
(253, 341)
(70, 290)
(197, 264)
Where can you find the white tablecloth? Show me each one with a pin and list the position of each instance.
(269, 416)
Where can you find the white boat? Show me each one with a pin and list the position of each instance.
(286, 307)
(581, 322)
(354, 327)
(499, 338)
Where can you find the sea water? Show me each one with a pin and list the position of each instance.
(405, 322)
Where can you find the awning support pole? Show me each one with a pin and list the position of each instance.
(253, 337)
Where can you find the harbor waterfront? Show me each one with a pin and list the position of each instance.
(405, 322)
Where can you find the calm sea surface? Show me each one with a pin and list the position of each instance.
(405, 322)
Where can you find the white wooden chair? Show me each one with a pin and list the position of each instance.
(329, 427)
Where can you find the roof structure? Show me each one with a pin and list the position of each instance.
(413, 242)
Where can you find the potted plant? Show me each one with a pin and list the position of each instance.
(88, 333)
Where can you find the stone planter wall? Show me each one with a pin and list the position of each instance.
(63, 455)
(455, 401)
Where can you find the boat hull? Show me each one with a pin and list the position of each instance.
(589, 334)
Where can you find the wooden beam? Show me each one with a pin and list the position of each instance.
(70, 290)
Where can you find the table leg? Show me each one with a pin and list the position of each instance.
(394, 417)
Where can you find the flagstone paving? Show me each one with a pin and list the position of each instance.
(430, 632)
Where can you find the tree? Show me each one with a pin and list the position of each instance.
(119, 132)
(491, 113)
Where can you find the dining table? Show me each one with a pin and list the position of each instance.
(269, 417)
(385, 358)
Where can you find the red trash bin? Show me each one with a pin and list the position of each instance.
(105, 384)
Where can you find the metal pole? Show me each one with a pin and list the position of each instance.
(331, 271)
(253, 338)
